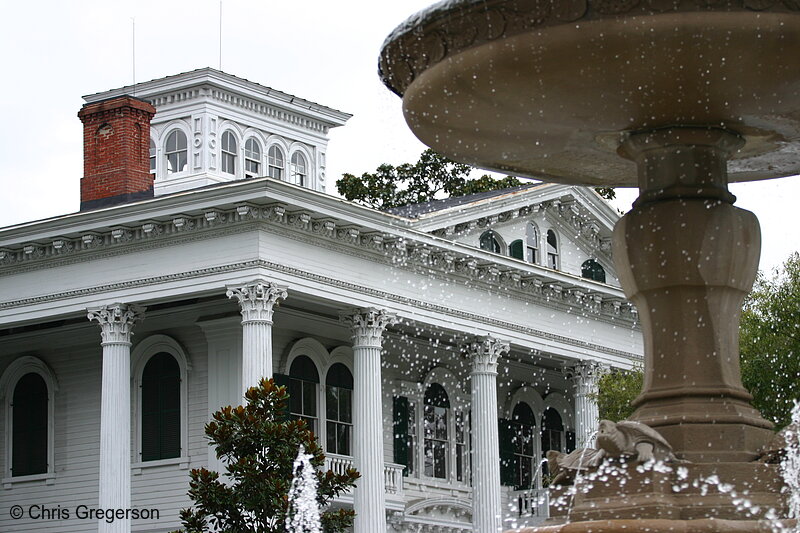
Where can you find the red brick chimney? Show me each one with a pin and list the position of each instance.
(116, 152)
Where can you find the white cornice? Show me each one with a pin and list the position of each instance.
(181, 84)
(304, 215)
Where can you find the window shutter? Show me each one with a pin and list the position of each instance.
(400, 429)
(516, 250)
(29, 439)
(282, 380)
(570, 441)
(505, 432)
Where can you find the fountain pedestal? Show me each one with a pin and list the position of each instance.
(687, 258)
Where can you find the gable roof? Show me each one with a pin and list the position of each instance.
(424, 208)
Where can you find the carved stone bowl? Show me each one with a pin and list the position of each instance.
(550, 88)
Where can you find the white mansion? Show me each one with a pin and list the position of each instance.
(441, 348)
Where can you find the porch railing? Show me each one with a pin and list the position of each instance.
(531, 502)
(392, 473)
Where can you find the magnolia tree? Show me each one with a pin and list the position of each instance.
(259, 444)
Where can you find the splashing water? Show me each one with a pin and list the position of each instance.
(790, 465)
(303, 516)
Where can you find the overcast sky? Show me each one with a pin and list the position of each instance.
(54, 52)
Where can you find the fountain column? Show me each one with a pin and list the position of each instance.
(116, 324)
(368, 326)
(487, 513)
(257, 300)
(687, 257)
(584, 376)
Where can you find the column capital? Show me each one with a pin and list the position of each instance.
(483, 352)
(367, 324)
(116, 321)
(584, 375)
(257, 298)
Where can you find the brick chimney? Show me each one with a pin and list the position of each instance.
(116, 152)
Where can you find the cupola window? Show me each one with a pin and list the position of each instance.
(276, 162)
(252, 158)
(299, 169)
(228, 153)
(176, 152)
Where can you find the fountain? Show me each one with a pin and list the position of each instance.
(679, 98)
(303, 515)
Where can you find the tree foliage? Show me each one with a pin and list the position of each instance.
(616, 391)
(258, 445)
(433, 176)
(769, 345)
(769, 342)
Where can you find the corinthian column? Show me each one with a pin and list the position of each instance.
(584, 376)
(483, 352)
(256, 299)
(368, 499)
(116, 322)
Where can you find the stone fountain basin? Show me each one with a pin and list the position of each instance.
(554, 100)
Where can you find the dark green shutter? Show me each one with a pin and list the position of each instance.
(400, 429)
(29, 439)
(282, 380)
(505, 432)
(570, 441)
(161, 408)
(516, 250)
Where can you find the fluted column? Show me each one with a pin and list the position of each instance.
(483, 352)
(368, 326)
(257, 300)
(584, 376)
(116, 322)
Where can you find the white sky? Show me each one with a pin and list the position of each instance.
(55, 51)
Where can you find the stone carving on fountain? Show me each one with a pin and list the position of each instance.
(627, 442)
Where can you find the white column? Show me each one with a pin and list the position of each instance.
(369, 495)
(256, 299)
(584, 376)
(487, 515)
(116, 322)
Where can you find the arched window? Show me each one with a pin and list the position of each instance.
(552, 431)
(299, 169)
(29, 423)
(591, 269)
(228, 153)
(276, 162)
(339, 409)
(552, 249)
(303, 385)
(532, 242)
(490, 242)
(515, 250)
(176, 152)
(252, 158)
(435, 431)
(152, 157)
(161, 408)
(524, 429)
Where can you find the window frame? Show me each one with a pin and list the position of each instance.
(305, 180)
(270, 166)
(498, 240)
(553, 258)
(19, 368)
(166, 154)
(140, 356)
(532, 244)
(535, 443)
(338, 421)
(225, 154)
(459, 402)
(249, 160)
